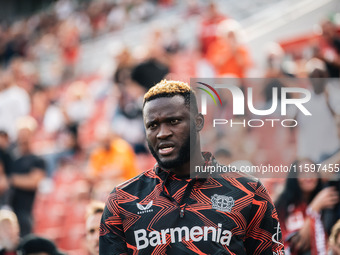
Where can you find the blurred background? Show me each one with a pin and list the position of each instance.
(72, 78)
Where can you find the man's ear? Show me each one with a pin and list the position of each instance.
(199, 122)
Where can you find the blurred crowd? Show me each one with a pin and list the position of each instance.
(67, 139)
(49, 41)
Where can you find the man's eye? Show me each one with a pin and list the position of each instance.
(174, 122)
(153, 125)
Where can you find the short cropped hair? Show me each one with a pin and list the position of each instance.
(94, 207)
(170, 88)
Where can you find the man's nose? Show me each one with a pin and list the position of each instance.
(164, 131)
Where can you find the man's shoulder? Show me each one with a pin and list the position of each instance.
(239, 179)
(242, 176)
(233, 172)
(147, 178)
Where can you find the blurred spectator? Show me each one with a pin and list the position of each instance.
(33, 245)
(321, 122)
(193, 8)
(155, 66)
(131, 79)
(68, 36)
(14, 103)
(274, 58)
(24, 74)
(5, 166)
(228, 54)
(223, 156)
(334, 157)
(67, 148)
(172, 44)
(334, 239)
(47, 58)
(117, 17)
(27, 172)
(14, 42)
(332, 178)
(4, 148)
(114, 159)
(64, 8)
(82, 21)
(93, 216)
(3, 182)
(329, 50)
(149, 72)
(78, 103)
(142, 10)
(299, 208)
(9, 232)
(127, 121)
(208, 28)
(54, 118)
(125, 63)
(39, 104)
(268, 135)
(58, 31)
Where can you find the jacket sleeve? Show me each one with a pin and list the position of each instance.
(263, 234)
(112, 238)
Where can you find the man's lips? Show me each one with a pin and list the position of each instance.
(166, 149)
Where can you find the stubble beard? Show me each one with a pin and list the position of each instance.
(183, 154)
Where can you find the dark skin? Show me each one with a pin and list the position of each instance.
(167, 124)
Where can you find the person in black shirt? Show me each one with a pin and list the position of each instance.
(165, 210)
(5, 166)
(5, 155)
(26, 173)
(331, 52)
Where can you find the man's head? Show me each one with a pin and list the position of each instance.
(26, 126)
(170, 89)
(317, 73)
(9, 230)
(36, 245)
(212, 10)
(172, 123)
(93, 216)
(328, 30)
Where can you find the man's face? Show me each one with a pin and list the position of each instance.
(328, 30)
(92, 233)
(167, 124)
(24, 139)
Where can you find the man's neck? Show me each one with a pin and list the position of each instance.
(189, 167)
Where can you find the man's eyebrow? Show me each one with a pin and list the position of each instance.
(174, 117)
(148, 122)
(168, 118)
